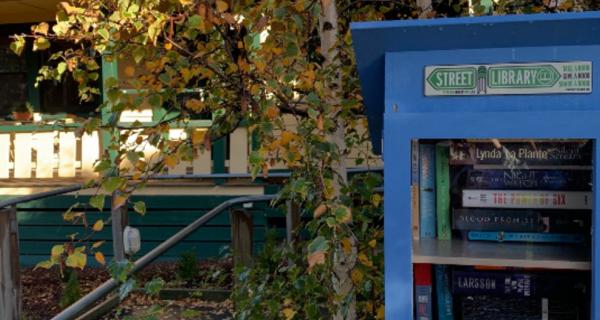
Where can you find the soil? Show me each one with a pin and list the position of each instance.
(42, 291)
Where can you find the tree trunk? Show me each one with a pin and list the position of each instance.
(343, 264)
(10, 276)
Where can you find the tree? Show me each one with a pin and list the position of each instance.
(255, 64)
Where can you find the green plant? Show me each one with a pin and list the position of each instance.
(187, 266)
(71, 290)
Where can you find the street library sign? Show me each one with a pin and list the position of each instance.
(490, 127)
(523, 78)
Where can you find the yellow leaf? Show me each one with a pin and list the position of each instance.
(346, 246)
(97, 244)
(186, 2)
(47, 264)
(316, 258)
(57, 250)
(272, 112)
(380, 313)
(77, 260)
(198, 136)
(41, 28)
(289, 313)
(357, 276)
(376, 199)
(222, 6)
(320, 210)
(362, 258)
(373, 243)
(98, 226)
(171, 161)
(119, 201)
(168, 46)
(129, 71)
(100, 257)
(260, 65)
(195, 105)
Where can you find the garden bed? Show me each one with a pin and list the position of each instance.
(42, 291)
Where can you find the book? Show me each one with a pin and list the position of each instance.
(442, 190)
(573, 180)
(445, 306)
(427, 209)
(507, 308)
(518, 284)
(423, 292)
(501, 236)
(542, 199)
(414, 188)
(514, 154)
(522, 220)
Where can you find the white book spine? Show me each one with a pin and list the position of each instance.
(527, 199)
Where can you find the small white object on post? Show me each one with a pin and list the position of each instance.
(131, 240)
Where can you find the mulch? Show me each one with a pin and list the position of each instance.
(41, 291)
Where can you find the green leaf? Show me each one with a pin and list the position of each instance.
(61, 68)
(104, 34)
(194, 21)
(46, 264)
(102, 166)
(126, 288)
(154, 286)
(318, 244)
(112, 183)
(97, 201)
(140, 207)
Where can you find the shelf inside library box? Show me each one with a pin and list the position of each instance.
(521, 255)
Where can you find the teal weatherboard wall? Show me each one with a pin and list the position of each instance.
(41, 226)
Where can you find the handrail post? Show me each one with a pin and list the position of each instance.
(10, 275)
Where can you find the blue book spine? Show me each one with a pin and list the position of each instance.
(575, 180)
(501, 236)
(427, 208)
(444, 294)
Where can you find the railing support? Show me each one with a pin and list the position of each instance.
(10, 275)
(241, 236)
(118, 214)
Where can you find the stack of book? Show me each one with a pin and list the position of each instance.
(523, 191)
(502, 191)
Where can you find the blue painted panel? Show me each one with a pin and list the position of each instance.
(372, 40)
(404, 81)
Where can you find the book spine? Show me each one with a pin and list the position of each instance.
(501, 236)
(442, 189)
(495, 284)
(522, 153)
(574, 180)
(540, 199)
(521, 220)
(414, 188)
(423, 292)
(427, 191)
(443, 293)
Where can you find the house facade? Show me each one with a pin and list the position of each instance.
(45, 152)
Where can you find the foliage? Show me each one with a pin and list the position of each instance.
(257, 64)
(187, 266)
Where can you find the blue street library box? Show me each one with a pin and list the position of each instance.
(488, 127)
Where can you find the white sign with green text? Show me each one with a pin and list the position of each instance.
(513, 78)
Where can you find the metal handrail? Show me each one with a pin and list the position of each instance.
(84, 303)
(104, 289)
